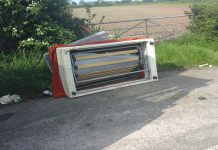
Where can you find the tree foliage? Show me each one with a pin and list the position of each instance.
(37, 24)
(204, 20)
(82, 2)
(73, 3)
(126, 1)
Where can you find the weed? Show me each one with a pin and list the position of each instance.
(186, 51)
(24, 73)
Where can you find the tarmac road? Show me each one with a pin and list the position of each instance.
(178, 112)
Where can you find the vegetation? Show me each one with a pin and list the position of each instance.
(204, 20)
(23, 73)
(27, 28)
(36, 24)
(27, 74)
(187, 51)
(196, 48)
(89, 21)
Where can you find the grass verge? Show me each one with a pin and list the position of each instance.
(27, 74)
(23, 73)
(186, 51)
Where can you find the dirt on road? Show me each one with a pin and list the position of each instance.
(180, 111)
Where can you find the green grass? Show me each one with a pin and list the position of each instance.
(23, 73)
(186, 51)
(27, 74)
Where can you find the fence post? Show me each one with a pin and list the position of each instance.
(146, 27)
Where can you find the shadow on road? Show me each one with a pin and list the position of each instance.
(94, 121)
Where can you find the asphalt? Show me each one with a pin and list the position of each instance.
(180, 111)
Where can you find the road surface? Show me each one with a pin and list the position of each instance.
(178, 112)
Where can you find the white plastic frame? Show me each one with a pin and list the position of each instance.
(67, 76)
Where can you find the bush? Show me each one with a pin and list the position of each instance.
(25, 23)
(204, 20)
(30, 27)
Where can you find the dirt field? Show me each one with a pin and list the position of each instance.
(126, 12)
(158, 29)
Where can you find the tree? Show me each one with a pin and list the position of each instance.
(147, 0)
(204, 20)
(99, 1)
(126, 1)
(82, 2)
(36, 24)
(73, 3)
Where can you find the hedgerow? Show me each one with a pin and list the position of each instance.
(36, 24)
(204, 20)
